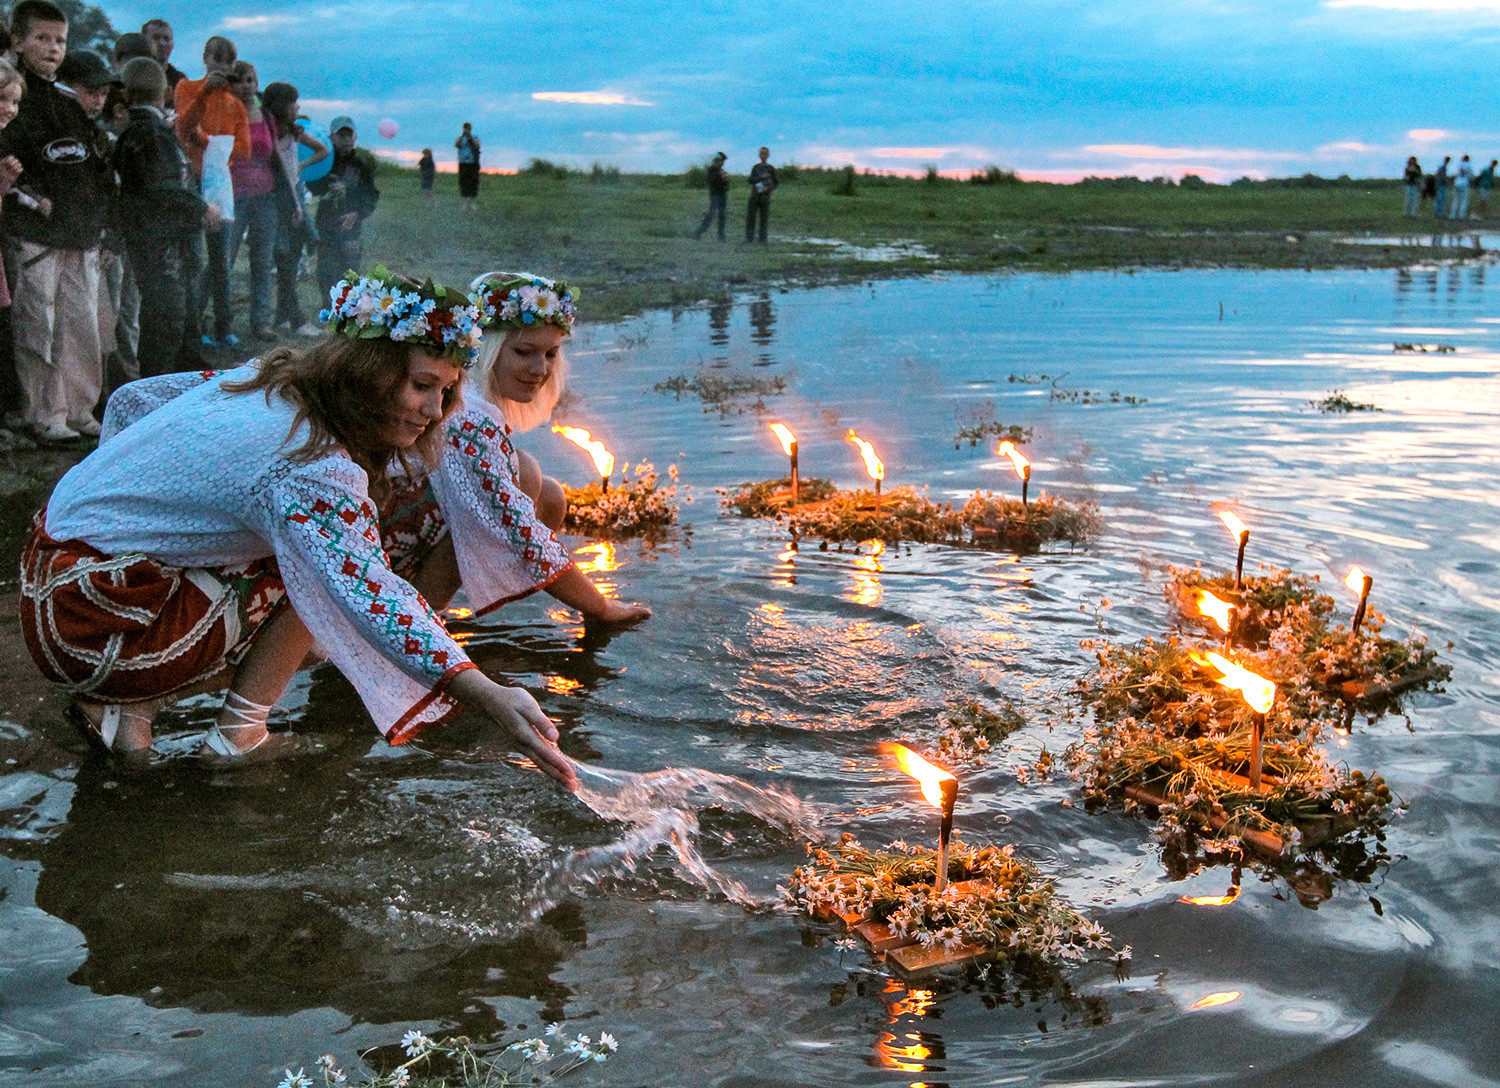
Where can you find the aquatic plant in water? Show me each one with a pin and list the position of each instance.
(724, 393)
(1338, 403)
(1011, 910)
(971, 730)
(1002, 521)
(633, 507)
(458, 1062)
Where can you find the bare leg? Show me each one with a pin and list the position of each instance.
(133, 736)
(437, 578)
(546, 494)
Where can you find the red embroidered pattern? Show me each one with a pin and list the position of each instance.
(488, 451)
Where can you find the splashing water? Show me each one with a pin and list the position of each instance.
(662, 808)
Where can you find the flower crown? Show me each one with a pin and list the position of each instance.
(426, 315)
(520, 300)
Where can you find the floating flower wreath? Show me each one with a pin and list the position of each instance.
(520, 300)
(426, 315)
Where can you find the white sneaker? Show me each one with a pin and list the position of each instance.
(89, 428)
(58, 432)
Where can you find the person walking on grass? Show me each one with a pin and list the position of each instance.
(718, 195)
(1412, 178)
(762, 184)
(467, 145)
(1462, 179)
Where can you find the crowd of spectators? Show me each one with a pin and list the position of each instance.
(130, 189)
(1457, 192)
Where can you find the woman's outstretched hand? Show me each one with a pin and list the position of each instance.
(516, 712)
(574, 589)
(621, 612)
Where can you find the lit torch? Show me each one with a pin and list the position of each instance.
(941, 790)
(604, 461)
(1023, 466)
(1258, 693)
(1241, 533)
(1360, 582)
(1221, 612)
(789, 446)
(873, 465)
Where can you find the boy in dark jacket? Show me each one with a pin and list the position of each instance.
(160, 214)
(348, 197)
(54, 239)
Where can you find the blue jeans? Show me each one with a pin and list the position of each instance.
(1413, 199)
(1440, 205)
(1460, 202)
(257, 217)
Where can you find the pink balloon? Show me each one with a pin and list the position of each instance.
(388, 129)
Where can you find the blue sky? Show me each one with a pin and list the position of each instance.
(1056, 89)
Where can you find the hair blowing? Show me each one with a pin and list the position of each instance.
(345, 390)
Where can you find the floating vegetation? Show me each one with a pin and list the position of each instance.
(1336, 403)
(1436, 349)
(769, 498)
(998, 906)
(978, 432)
(1168, 737)
(633, 507)
(902, 514)
(724, 393)
(1074, 396)
(1000, 521)
(971, 730)
(1323, 669)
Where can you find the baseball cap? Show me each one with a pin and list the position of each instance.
(84, 69)
(342, 122)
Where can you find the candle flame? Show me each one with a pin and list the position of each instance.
(873, 465)
(1355, 580)
(908, 762)
(1215, 609)
(1234, 524)
(1214, 1000)
(1016, 457)
(604, 461)
(1257, 690)
(786, 436)
(1212, 900)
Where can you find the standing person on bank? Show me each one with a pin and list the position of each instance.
(12, 86)
(1412, 179)
(348, 197)
(280, 101)
(427, 171)
(468, 167)
(1486, 182)
(718, 195)
(159, 33)
(54, 235)
(255, 211)
(762, 184)
(1440, 180)
(1462, 178)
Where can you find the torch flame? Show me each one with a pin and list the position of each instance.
(604, 461)
(1257, 690)
(1356, 580)
(1234, 524)
(1214, 1000)
(873, 465)
(1016, 457)
(1215, 609)
(786, 436)
(930, 777)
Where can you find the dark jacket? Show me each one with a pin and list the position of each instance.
(157, 196)
(718, 179)
(356, 171)
(762, 180)
(65, 158)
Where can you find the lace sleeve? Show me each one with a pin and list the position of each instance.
(138, 399)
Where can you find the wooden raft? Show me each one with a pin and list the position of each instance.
(906, 954)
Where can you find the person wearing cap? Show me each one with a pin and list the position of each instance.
(718, 195)
(347, 197)
(54, 237)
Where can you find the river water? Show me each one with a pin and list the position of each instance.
(185, 927)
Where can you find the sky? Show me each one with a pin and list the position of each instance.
(1053, 89)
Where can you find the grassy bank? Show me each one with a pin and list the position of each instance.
(629, 241)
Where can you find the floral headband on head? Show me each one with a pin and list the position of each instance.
(519, 300)
(438, 319)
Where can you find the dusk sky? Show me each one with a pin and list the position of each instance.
(1053, 90)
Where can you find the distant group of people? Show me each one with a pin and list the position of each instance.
(1450, 188)
(130, 189)
(763, 182)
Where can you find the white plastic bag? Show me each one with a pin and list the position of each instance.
(218, 186)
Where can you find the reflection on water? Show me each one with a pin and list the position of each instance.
(334, 902)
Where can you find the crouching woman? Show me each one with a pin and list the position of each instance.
(218, 538)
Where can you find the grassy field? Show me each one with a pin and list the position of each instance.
(628, 242)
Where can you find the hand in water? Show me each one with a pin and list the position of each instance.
(516, 712)
(621, 612)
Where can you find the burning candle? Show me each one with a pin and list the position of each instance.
(1258, 693)
(939, 788)
(789, 447)
(604, 461)
(1360, 582)
(873, 465)
(1241, 533)
(1221, 612)
(1023, 466)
